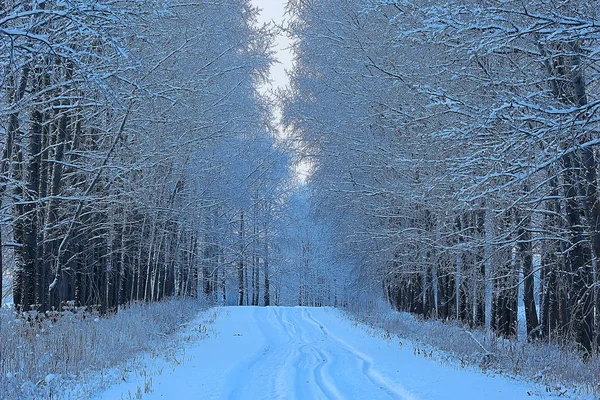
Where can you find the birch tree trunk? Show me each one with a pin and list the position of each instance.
(526, 258)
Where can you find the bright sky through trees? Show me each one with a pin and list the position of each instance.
(273, 11)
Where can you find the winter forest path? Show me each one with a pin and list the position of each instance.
(312, 353)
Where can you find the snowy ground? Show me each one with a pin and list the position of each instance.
(310, 353)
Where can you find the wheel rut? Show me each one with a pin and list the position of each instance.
(377, 380)
(299, 351)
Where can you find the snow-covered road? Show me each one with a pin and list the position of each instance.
(309, 353)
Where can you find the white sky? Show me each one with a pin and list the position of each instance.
(273, 10)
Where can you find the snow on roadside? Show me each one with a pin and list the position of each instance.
(197, 372)
(551, 368)
(80, 353)
(169, 353)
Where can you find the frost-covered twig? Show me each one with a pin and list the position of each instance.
(486, 351)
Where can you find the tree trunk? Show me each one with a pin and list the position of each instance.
(566, 74)
(550, 267)
(580, 261)
(53, 207)
(16, 94)
(488, 265)
(526, 253)
(241, 262)
(223, 278)
(267, 281)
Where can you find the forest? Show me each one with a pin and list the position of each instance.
(454, 153)
(137, 154)
(451, 152)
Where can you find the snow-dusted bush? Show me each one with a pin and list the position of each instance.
(559, 366)
(37, 355)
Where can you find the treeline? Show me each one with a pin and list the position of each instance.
(454, 149)
(133, 142)
(312, 274)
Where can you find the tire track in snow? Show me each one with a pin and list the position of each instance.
(279, 352)
(289, 328)
(244, 377)
(293, 378)
(299, 352)
(239, 379)
(281, 382)
(322, 378)
(379, 381)
(311, 364)
(304, 362)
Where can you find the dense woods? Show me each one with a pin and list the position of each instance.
(454, 152)
(137, 159)
(453, 156)
(432, 168)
